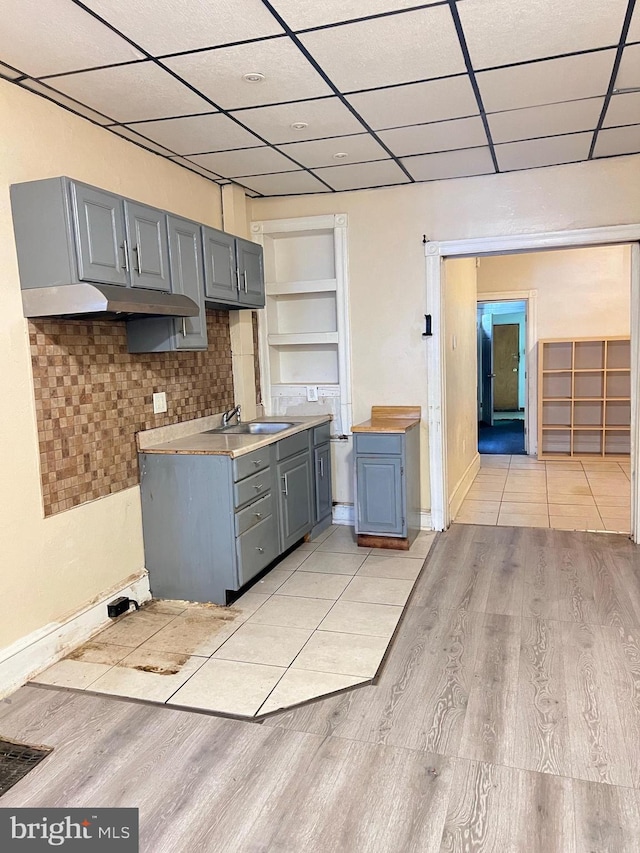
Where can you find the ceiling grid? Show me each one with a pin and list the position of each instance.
(289, 97)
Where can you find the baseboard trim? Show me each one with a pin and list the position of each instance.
(32, 654)
(344, 514)
(463, 485)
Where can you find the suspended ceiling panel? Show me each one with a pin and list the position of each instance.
(305, 96)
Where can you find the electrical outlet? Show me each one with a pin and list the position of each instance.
(312, 393)
(159, 402)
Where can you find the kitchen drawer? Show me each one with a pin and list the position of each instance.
(297, 443)
(252, 514)
(374, 443)
(248, 464)
(321, 434)
(252, 487)
(256, 549)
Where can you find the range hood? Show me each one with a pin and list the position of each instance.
(89, 300)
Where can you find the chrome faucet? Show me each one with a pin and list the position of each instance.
(235, 412)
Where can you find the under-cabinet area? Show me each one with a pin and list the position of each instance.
(218, 507)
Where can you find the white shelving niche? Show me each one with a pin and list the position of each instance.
(303, 331)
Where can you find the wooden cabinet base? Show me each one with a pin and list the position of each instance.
(367, 540)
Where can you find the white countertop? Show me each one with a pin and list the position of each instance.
(226, 444)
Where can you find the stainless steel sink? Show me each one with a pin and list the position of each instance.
(253, 428)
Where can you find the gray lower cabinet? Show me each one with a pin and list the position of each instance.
(165, 334)
(323, 492)
(387, 483)
(212, 523)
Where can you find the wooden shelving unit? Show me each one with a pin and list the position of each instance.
(584, 398)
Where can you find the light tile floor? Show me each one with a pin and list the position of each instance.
(568, 495)
(319, 622)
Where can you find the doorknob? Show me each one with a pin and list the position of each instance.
(491, 375)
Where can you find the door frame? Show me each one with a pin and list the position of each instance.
(435, 253)
(530, 298)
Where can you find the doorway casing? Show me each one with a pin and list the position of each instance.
(435, 254)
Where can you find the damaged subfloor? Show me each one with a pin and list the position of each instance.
(319, 622)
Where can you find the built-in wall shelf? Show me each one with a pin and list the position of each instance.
(584, 401)
(304, 329)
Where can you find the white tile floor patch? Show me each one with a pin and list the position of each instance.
(319, 622)
(521, 491)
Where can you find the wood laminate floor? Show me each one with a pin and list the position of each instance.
(506, 719)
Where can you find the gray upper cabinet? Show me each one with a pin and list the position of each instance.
(148, 246)
(250, 273)
(220, 273)
(98, 222)
(166, 334)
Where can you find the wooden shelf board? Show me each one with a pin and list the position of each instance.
(291, 288)
(303, 338)
(557, 399)
(557, 426)
(617, 370)
(617, 428)
(558, 370)
(588, 399)
(592, 427)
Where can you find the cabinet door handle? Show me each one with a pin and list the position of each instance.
(258, 514)
(321, 467)
(136, 250)
(125, 252)
(260, 550)
(285, 490)
(184, 327)
(244, 276)
(238, 279)
(257, 462)
(258, 487)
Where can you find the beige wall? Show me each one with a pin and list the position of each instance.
(460, 367)
(579, 292)
(386, 257)
(53, 567)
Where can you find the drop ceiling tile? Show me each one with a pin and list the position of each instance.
(129, 93)
(549, 120)
(416, 103)
(324, 117)
(555, 80)
(300, 14)
(289, 183)
(629, 72)
(319, 152)
(543, 152)
(8, 72)
(164, 26)
(623, 109)
(397, 49)
(197, 134)
(619, 140)
(289, 76)
(450, 164)
(61, 37)
(47, 92)
(248, 161)
(501, 31)
(439, 136)
(131, 135)
(182, 161)
(634, 29)
(363, 175)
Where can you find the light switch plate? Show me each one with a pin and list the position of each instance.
(159, 402)
(312, 393)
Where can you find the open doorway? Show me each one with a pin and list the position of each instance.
(502, 387)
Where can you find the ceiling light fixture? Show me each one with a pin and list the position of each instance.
(299, 125)
(253, 77)
(340, 155)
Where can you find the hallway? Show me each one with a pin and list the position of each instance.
(522, 491)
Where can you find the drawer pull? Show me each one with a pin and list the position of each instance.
(258, 487)
(258, 514)
(260, 550)
(257, 462)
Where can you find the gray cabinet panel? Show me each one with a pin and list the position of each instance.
(220, 277)
(252, 462)
(185, 261)
(256, 549)
(294, 499)
(374, 443)
(322, 466)
(98, 221)
(250, 273)
(147, 236)
(380, 495)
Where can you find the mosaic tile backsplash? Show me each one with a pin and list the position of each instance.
(92, 396)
